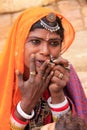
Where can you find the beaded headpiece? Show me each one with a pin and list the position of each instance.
(51, 24)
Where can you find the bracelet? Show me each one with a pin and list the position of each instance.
(23, 114)
(17, 120)
(60, 109)
(16, 124)
(13, 127)
(60, 112)
(57, 115)
(59, 105)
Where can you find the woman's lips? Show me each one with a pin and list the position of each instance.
(39, 63)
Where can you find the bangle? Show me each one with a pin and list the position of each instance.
(17, 120)
(58, 114)
(60, 109)
(23, 114)
(13, 127)
(59, 106)
(16, 123)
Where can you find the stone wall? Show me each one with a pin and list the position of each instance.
(9, 6)
(10, 9)
(74, 10)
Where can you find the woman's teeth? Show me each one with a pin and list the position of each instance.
(41, 62)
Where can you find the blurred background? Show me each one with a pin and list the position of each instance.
(74, 10)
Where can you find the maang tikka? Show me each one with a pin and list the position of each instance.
(51, 19)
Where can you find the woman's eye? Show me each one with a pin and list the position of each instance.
(35, 41)
(54, 43)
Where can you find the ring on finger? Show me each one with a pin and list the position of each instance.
(32, 73)
(60, 75)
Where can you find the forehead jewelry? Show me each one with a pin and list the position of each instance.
(47, 36)
(50, 18)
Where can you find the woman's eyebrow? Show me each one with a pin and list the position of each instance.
(31, 37)
(55, 39)
(36, 37)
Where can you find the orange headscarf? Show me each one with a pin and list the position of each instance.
(12, 58)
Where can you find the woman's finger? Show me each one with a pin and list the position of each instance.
(43, 68)
(48, 79)
(48, 70)
(61, 61)
(32, 67)
(20, 79)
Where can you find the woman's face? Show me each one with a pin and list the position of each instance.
(43, 44)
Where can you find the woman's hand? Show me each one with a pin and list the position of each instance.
(32, 89)
(59, 80)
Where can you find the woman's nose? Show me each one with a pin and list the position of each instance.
(44, 50)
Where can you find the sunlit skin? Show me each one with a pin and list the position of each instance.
(39, 46)
(42, 43)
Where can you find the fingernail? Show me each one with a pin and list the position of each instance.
(52, 72)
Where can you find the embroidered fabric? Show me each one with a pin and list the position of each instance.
(42, 112)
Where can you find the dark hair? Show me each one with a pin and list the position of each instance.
(70, 123)
(52, 24)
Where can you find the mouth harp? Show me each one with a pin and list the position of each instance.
(52, 59)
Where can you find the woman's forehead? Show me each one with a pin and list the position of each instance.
(43, 32)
